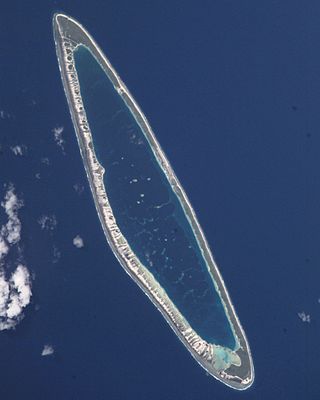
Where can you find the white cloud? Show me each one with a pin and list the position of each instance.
(13, 229)
(4, 293)
(19, 150)
(15, 291)
(57, 132)
(304, 317)
(20, 292)
(10, 233)
(4, 249)
(15, 295)
(47, 222)
(11, 203)
(47, 350)
(78, 242)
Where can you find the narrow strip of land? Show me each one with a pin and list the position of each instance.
(232, 367)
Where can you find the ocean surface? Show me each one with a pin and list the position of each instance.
(232, 91)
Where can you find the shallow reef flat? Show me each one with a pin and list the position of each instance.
(145, 214)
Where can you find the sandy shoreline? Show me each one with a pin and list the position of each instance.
(68, 34)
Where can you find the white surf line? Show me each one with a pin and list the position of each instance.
(198, 348)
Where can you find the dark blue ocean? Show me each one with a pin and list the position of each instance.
(232, 91)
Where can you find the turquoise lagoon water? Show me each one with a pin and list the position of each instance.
(146, 208)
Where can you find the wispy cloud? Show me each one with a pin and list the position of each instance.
(56, 254)
(57, 132)
(19, 150)
(47, 222)
(5, 115)
(78, 187)
(45, 160)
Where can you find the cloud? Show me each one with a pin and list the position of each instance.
(56, 254)
(57, 132)
(47, 222)
(20, 293)
(78, 188)
(304, 317)
(45, 160)
(15, 295)
(19, 150)
(78, 242)
(11, 203)
(4, 249)
(47, 350)
(11, 232)
(4, 114)
(4, 293)
(15, 291)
